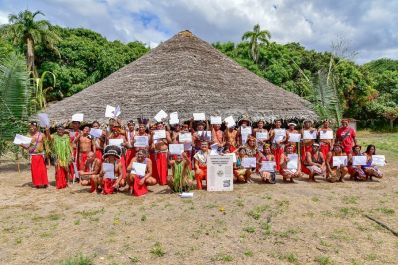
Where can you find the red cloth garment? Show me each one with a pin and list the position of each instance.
(348, 134)
(324, 149)
(130, 154)
(60, 177)
(200, 177)
(98, 154)
(304, 150)
(161, 166)
(154, 167)
(139, 190)
(278, 153)
(124, 167)
(108, 186)
(71, 168)
(38, 170)
(82, 160)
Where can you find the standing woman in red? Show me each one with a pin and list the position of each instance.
(278, 138)
(326, 145)
(346, 136)
(36, 152)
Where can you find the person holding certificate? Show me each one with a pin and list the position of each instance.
(356, 172)
(217, 135)
(92, 168)
(98, 141)
(74, 132)
(141, 132)
(36, 151)
(130, 134)
(268, 176)
(335, 172)
(85, 144)
(244, 127)
(370, 169)
(231, 135)
(278, 138)
(181, 179)
(292, 130)
(306, 145)
(241, 174)
(346, 136)
(118, 133)
(199, 136)
(315, 163)
(326, 140)
(140, 177)
(290, 164)
(160, 140)
(261, 131)
(110, 175)
(201, 164)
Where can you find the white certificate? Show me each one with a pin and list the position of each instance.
(359, 160)
(246, 130)
(117, 142)
(139, 169)
(326, 135)
(249, 162)
(205, 134)
(141, 141)
(293, 161)
(308, 135)
(215, 120)
(279, 134)
(174, 118)
(21, 139)
(294, 137)
(214, 149)
(199, 116)
(262, 136)
(160, 116)
(233, 156)
(109, 170)
(77, 117)
(112, 112)
(159, 134)
(219, 173)
(339, 160)
(268, 166)
(44, 121)
(185, 137)
(176, 149)
(187, 147)
(230, 122)
(97, 133)
(378, 160)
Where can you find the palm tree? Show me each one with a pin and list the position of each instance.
(256, 38)
(23, 29)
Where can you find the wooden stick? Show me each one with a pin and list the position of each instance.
(382, 225)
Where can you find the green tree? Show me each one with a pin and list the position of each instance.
(256, 38)
(25, 31)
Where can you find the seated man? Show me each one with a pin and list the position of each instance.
(315, 162)
(105, 178)
(200, 164)
(138, 183)
(181, 178)
(290, 173)
(92, 167)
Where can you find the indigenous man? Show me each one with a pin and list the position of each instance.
(231, 135)
(111, 156)
(289, 173)
(36, 152)
(117, 133)
(99, 142)
(306, 145)
(62, 151)
(291, 130)
(85, 144)
(74, 132)
(200, 135)
(335, 173)
(201, 164)
(181, 178)
(346, 136)
(130, 134)
(142, 132)
(138, 183)
(315, 162)
(325, 144)
(160, 146)
(175, 133)
(278, 142)
(92, 168)
(217, 135)
(244, 125)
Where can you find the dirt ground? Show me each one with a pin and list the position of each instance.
(302, 223)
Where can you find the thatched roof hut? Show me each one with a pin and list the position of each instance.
(184, 74)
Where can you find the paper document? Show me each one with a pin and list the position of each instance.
(268, 166)
(262, 136)
(159, 134)
(97, 133)
(249, 162)
(359, 160)
(378, 160)
(141, 141)
(199, 116)
(160, 116)
(293, 161)
(109, 170)
(229, 122)
(21, 139)
(215, 120)
(139, 169)
(339, 160)
(185, 138)
(174, 118)
(308, 135)
(294, 137)
(117, 142)
(176, 149)
(112, 112)
(326, 135)
(77, 117)
(44, 121)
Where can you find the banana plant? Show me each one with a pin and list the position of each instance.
(40, 93)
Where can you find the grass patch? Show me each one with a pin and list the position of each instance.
(134, 259)
(222, 257)
(386, 211)
(79, 260)
(248, 253)
(54, 217)
(143, 218)
(91, 214)
(315, 199)
(384, 141)
(350, 199)
(346, 212)
(258, 211)
(249, 229)
(266, 228)
(157, 250)
(371, 257)
(323, 260)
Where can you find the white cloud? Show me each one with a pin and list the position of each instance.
(3, 18)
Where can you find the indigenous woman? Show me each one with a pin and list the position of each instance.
(241, 174)
(62, 151)
(278, 141)
(98, 142)
(290, 173)
(267, 177)
(181, 178)
(160, 146)
(217, 135)
(139, 183)
(291, 129)
(325, 144)
(260, 129)
(371, 170)
(142, 123)
(315, 162)
(244, 127)
(201, 164)
(306, 145)
(356, 172)
(231, 135)
(335, 173)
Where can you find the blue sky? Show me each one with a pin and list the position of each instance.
(367, 27)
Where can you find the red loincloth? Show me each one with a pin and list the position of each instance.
(324, 149)
(108, 186)
(61, 177)
(201, 176)
(38, 170)
(82, 160)
(304, 150)
(278, 153)
(161, 166)
(98, 154)
(139, 190)
(154, 167)
(130, 154)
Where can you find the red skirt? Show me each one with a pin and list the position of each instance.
(130, 154)
(108, 186)
(71, 168)
(161, 166)
(60, 177)
(201, 176)
(82, 160)
(278, 153)
(154, 166)
(124, 167)
(139, 190)
(324, 149)
(304, 150)
(98, 154)
(39, 170)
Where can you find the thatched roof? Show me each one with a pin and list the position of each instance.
(184, 74)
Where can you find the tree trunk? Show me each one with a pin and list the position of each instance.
(392, 124)
(30, 55)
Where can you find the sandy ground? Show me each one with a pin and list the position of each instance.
(302, 223)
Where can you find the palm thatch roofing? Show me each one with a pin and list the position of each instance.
(187, 75)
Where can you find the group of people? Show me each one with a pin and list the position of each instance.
(88, 158)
